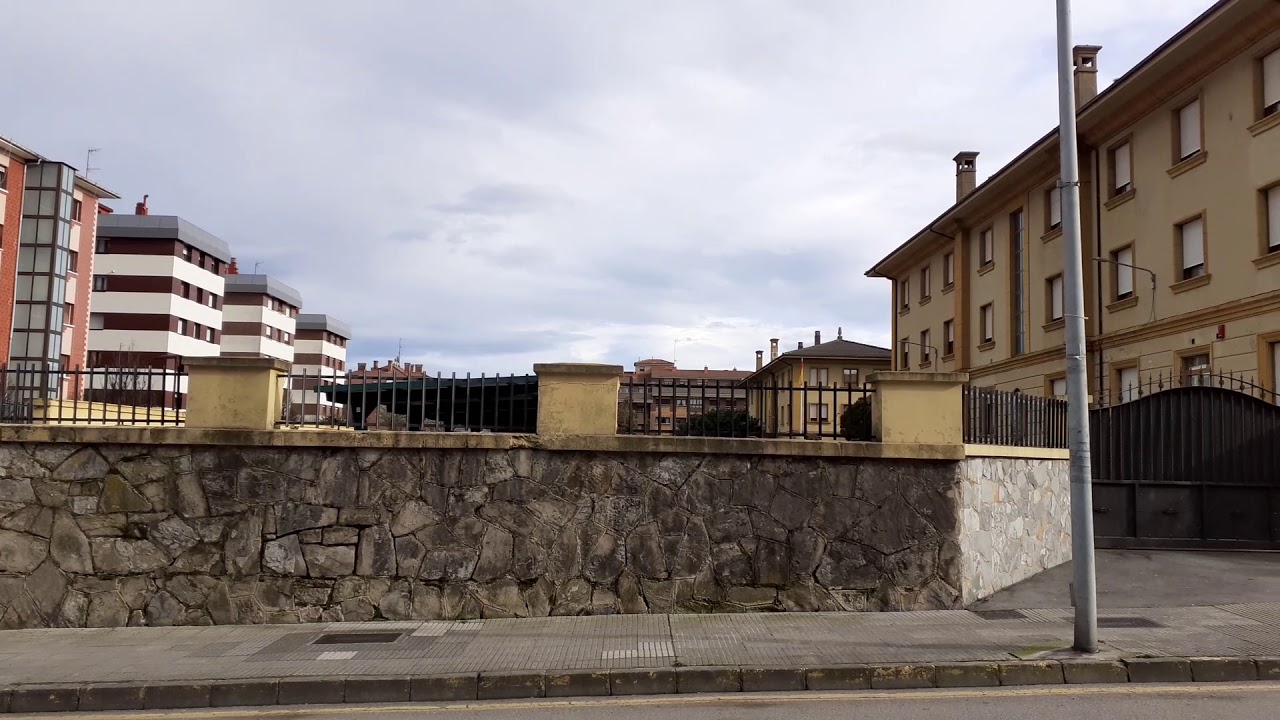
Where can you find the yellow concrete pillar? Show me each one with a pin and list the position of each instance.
(919, 407)
(242, 393)
(577, 398)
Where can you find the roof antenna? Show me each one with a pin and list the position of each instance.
(88, 160)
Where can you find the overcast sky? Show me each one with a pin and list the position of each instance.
(504, 182)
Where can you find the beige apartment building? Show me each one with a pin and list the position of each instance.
(1180, 207)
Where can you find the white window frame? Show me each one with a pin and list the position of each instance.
(1192, 239)
(926, 282)
(904, 290)
(1190, 119)
(818, 377)
(1124, 273)
(1122, 162)
(1055, 298)
(822, 414)
(948, 269)
(1055, 207)
(948, 337)
(987, 246)
(925, 354)
(182, 327)
(1058, 387)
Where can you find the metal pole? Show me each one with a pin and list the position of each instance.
(1084, 585)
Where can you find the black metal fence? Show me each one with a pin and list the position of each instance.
(729, 408)
(1118, 390)
(385, 399)
(93, 396)
(997, 417)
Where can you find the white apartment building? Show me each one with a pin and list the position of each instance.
(158, 291)
(259, 318)
(319, 359)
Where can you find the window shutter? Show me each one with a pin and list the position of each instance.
(1124, 274)
(1128, 384)
(1124, 173)
(1055, 206)
(1060, 387)
(1273, 214)
(1189, 125)
(1271, 79)
(1193, 243)
(1055, 292)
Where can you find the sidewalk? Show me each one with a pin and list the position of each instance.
(127, 668)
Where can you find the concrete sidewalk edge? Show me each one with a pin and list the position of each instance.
(631, 681)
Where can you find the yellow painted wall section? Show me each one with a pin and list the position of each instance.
(913, 407)
(578, 398)
(235, 393)
(80, 412)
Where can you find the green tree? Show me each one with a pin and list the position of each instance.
(855, 421)
(720, 423)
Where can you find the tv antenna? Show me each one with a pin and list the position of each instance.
(88, 161)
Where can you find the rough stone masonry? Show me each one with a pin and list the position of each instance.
(114, 535)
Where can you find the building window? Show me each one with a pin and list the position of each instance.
(948, 338)
(182, 326)
(200, 295)
(904, 293)
(988, 315)
(100, 282)
(69, 314)
(818, 412)
(4, 176)
(818, 377)
(1270, 84)
(948, 270)
(904, 354)
(850, 376)
(96, 321)
(1271, 208)
(1058, 387)
(1130, 384)
(926, 352)
(186, 252)
(208, 334)
(926, 283)
(1191, 248)
(186, 290)
(288, 338)
(1017, 261)
(1195, 369)
(103, 246)
(1187, 129)
(1122, 264)
(76, 208)
(73, 264)
(1121, 169)
(213, 301)
(1053, 199)
(987, 246)
(1054, 305)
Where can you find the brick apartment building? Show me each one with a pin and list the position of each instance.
(657, 396)
(260, 317)
(319, 358)
(158, 291)
(48, 224)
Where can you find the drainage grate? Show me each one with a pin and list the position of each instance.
(356, 638)
(1128, 622)
(1000, 614)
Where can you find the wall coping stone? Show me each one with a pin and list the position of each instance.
(259, 363)
(576, 369)
(910, 376)
(143, 435)
(1017, 452)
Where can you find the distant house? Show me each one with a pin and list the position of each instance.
(804, 391)
(657, 396)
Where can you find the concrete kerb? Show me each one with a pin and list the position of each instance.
(629, 681)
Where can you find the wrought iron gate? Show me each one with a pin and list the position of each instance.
(1193, 463)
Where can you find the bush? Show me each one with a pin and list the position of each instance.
(855, 421)
(720, 423)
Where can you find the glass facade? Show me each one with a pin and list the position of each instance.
(44, 256)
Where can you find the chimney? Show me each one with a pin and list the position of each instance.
(773, 349)
(141, 208)
(800, 345)
(234, 269)
(839, 333)
(817, 337)
(360, 367)
(375, 364)
(1085, 59)
(966, 173)
(759, 359)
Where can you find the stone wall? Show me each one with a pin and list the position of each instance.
(1015, 521)
(109, 535)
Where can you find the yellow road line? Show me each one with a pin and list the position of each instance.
(676, 700)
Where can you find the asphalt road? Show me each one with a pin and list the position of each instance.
(1154, 578)
(1246, 701)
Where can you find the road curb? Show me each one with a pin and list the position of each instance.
(40, 698)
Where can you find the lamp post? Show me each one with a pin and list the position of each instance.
(1084, 585)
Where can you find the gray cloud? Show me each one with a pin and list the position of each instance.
(503, 182)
